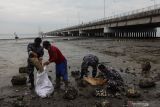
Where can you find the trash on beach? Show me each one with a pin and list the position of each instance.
(23, 70)
(137, 104)
(100, 92)
(95, 81)
(75, 73)
(18, 80)
(132, 93)
(70, 94)
(146, 83)
(104, 103)
(44, 87)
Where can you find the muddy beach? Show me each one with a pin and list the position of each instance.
(123, 55)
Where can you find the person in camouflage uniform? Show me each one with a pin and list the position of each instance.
(115, 81)
(89, 60)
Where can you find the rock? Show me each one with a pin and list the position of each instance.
(127, 70)
(121, 70)
(70, 94)
(75, 73)
(23, 70)
(132, 93)
(19, 104)
(20, 98)
(157, 77)
(146, 83)
(146, 91)
(18, 80)
(157, 95)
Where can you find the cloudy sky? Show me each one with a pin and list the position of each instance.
(30, 16)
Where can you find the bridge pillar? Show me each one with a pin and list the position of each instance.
(158, 32)
(81, 32)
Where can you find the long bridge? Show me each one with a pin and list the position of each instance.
(141, 23)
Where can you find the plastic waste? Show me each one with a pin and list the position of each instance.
(43, 86)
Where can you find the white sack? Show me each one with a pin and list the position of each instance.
(43, 86)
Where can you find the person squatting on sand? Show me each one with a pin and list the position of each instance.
(56, 56)
(89, 60)
(34, 50)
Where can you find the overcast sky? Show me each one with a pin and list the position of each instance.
(30, 16)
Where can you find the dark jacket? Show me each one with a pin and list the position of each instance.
(38, 50)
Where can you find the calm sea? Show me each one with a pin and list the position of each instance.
(21, 36)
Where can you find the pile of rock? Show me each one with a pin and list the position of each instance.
(18, 80)
(23, 70)
(146, 83)
(71, 93)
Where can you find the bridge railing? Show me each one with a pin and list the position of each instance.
(149, 8)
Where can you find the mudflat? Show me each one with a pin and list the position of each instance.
(124, 55)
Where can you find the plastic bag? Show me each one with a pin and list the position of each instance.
(44, 86)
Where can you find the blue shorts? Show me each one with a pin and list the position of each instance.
(61, 70)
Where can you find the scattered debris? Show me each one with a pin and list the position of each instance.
(137, 104)
(146, 83)
(19, 80)
(132, 93)
(23, 70)
(100, 93)
(104, 103)
(71, 93)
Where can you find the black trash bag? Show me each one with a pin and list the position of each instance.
(18, 80)
(23, 70)
(71, 93)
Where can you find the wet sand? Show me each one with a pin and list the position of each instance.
(119, 54)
